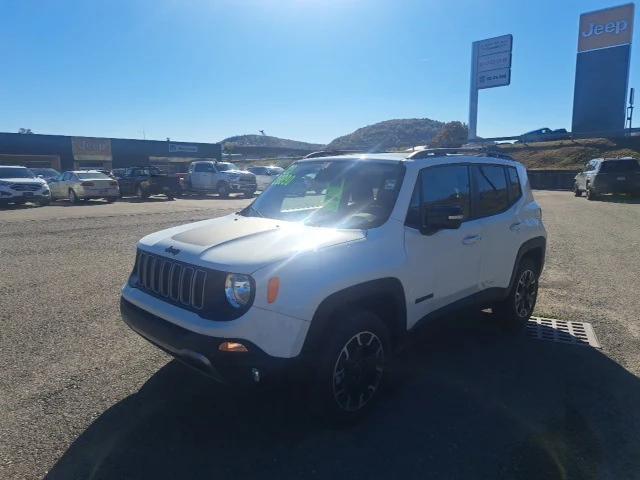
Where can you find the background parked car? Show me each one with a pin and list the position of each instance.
(222, 178)
(544, 135)
(84, 185)
(144, 181)
(19, 185)
(265, 175)
(45, 173)
(608, 175)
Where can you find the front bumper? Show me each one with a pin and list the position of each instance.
(201, 351)
(243, 187)
(11, 196)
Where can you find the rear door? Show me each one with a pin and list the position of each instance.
(127, 182)
(497, 195)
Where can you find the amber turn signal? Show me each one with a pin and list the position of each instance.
(273, 287)
(232, 347)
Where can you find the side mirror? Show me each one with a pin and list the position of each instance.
(440, 217)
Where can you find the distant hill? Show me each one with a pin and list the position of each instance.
(270, 142)
(389, 135)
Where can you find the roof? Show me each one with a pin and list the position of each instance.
(424, 154)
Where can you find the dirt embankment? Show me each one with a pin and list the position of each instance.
(571, 154)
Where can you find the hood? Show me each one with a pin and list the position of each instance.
(243, 244)
(22, 180)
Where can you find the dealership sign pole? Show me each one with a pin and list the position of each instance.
(490, 67)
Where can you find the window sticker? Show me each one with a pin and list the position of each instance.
(333, 197)
(286, 177)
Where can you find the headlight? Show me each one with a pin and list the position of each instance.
(238, 289)
(4, 184)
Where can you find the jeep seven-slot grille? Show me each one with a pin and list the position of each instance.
(180, 283)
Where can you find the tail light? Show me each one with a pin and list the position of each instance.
(113, 184)
(87, 184)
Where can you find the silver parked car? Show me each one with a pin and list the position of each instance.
(84, 185)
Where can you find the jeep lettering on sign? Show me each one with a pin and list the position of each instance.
(606, 28)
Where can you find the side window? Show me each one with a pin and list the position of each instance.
(515, 192)
(413, 214)
(66, 176)
(446, 186)
(200, 167)
(440, 186)
(491, 187)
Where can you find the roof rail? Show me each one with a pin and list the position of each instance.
(472, 151)
(331, 153)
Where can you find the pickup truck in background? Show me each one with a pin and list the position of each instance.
(223, 178)
(144, 181)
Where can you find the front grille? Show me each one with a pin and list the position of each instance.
(26, 187)
(247, 179)
(177, 282)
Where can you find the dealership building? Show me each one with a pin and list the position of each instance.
(70, 153)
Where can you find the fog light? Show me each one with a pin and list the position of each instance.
(232, 347)
(255, 374)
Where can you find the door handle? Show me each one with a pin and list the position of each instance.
(515, 227)
(471, 239)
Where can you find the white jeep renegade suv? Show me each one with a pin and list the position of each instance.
(328, 270)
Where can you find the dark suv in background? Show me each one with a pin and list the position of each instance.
(608, 175)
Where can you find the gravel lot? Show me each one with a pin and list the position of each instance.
(84, 397)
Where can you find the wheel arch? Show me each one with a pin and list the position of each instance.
(534, 248)
(384, 297)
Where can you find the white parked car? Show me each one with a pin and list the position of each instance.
(327, 285)
(84, 185)
(18, 185)
(265, 175)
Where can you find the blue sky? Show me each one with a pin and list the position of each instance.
(303, 69)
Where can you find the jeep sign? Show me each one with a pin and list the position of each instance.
(606, 28)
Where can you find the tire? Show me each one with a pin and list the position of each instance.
(111, 199)
(249, 194)
(223, 190)
(514, 311)
(141, 193)
(73, 198)
(576, 191)
(591, 195)
(352, 367)
(44, 203)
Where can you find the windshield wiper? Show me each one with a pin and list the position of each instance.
(253, 209)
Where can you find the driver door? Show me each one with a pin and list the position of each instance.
(444, 266)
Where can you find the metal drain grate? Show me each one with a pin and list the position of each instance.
(562, 331)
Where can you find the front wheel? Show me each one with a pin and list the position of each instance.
(576, 191)
(73, 198)
(223, 190)
(249, 194)
(514, 311)
(44, 203)
(591, 195)
(141, 193)
(353, 366)
(111, 199)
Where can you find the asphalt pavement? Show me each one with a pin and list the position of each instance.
(84, 397)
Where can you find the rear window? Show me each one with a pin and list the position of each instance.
(629, 165)
(92, 176)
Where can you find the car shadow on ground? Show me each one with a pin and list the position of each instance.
(151, 199)
(467, 401)
(618, 199)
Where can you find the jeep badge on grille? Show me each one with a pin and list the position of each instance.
(171, 250)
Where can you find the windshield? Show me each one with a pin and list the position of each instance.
(628, 165)
(224, 166)
(341, 194)
(16, 173)
(93, 176)
(45, 172)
